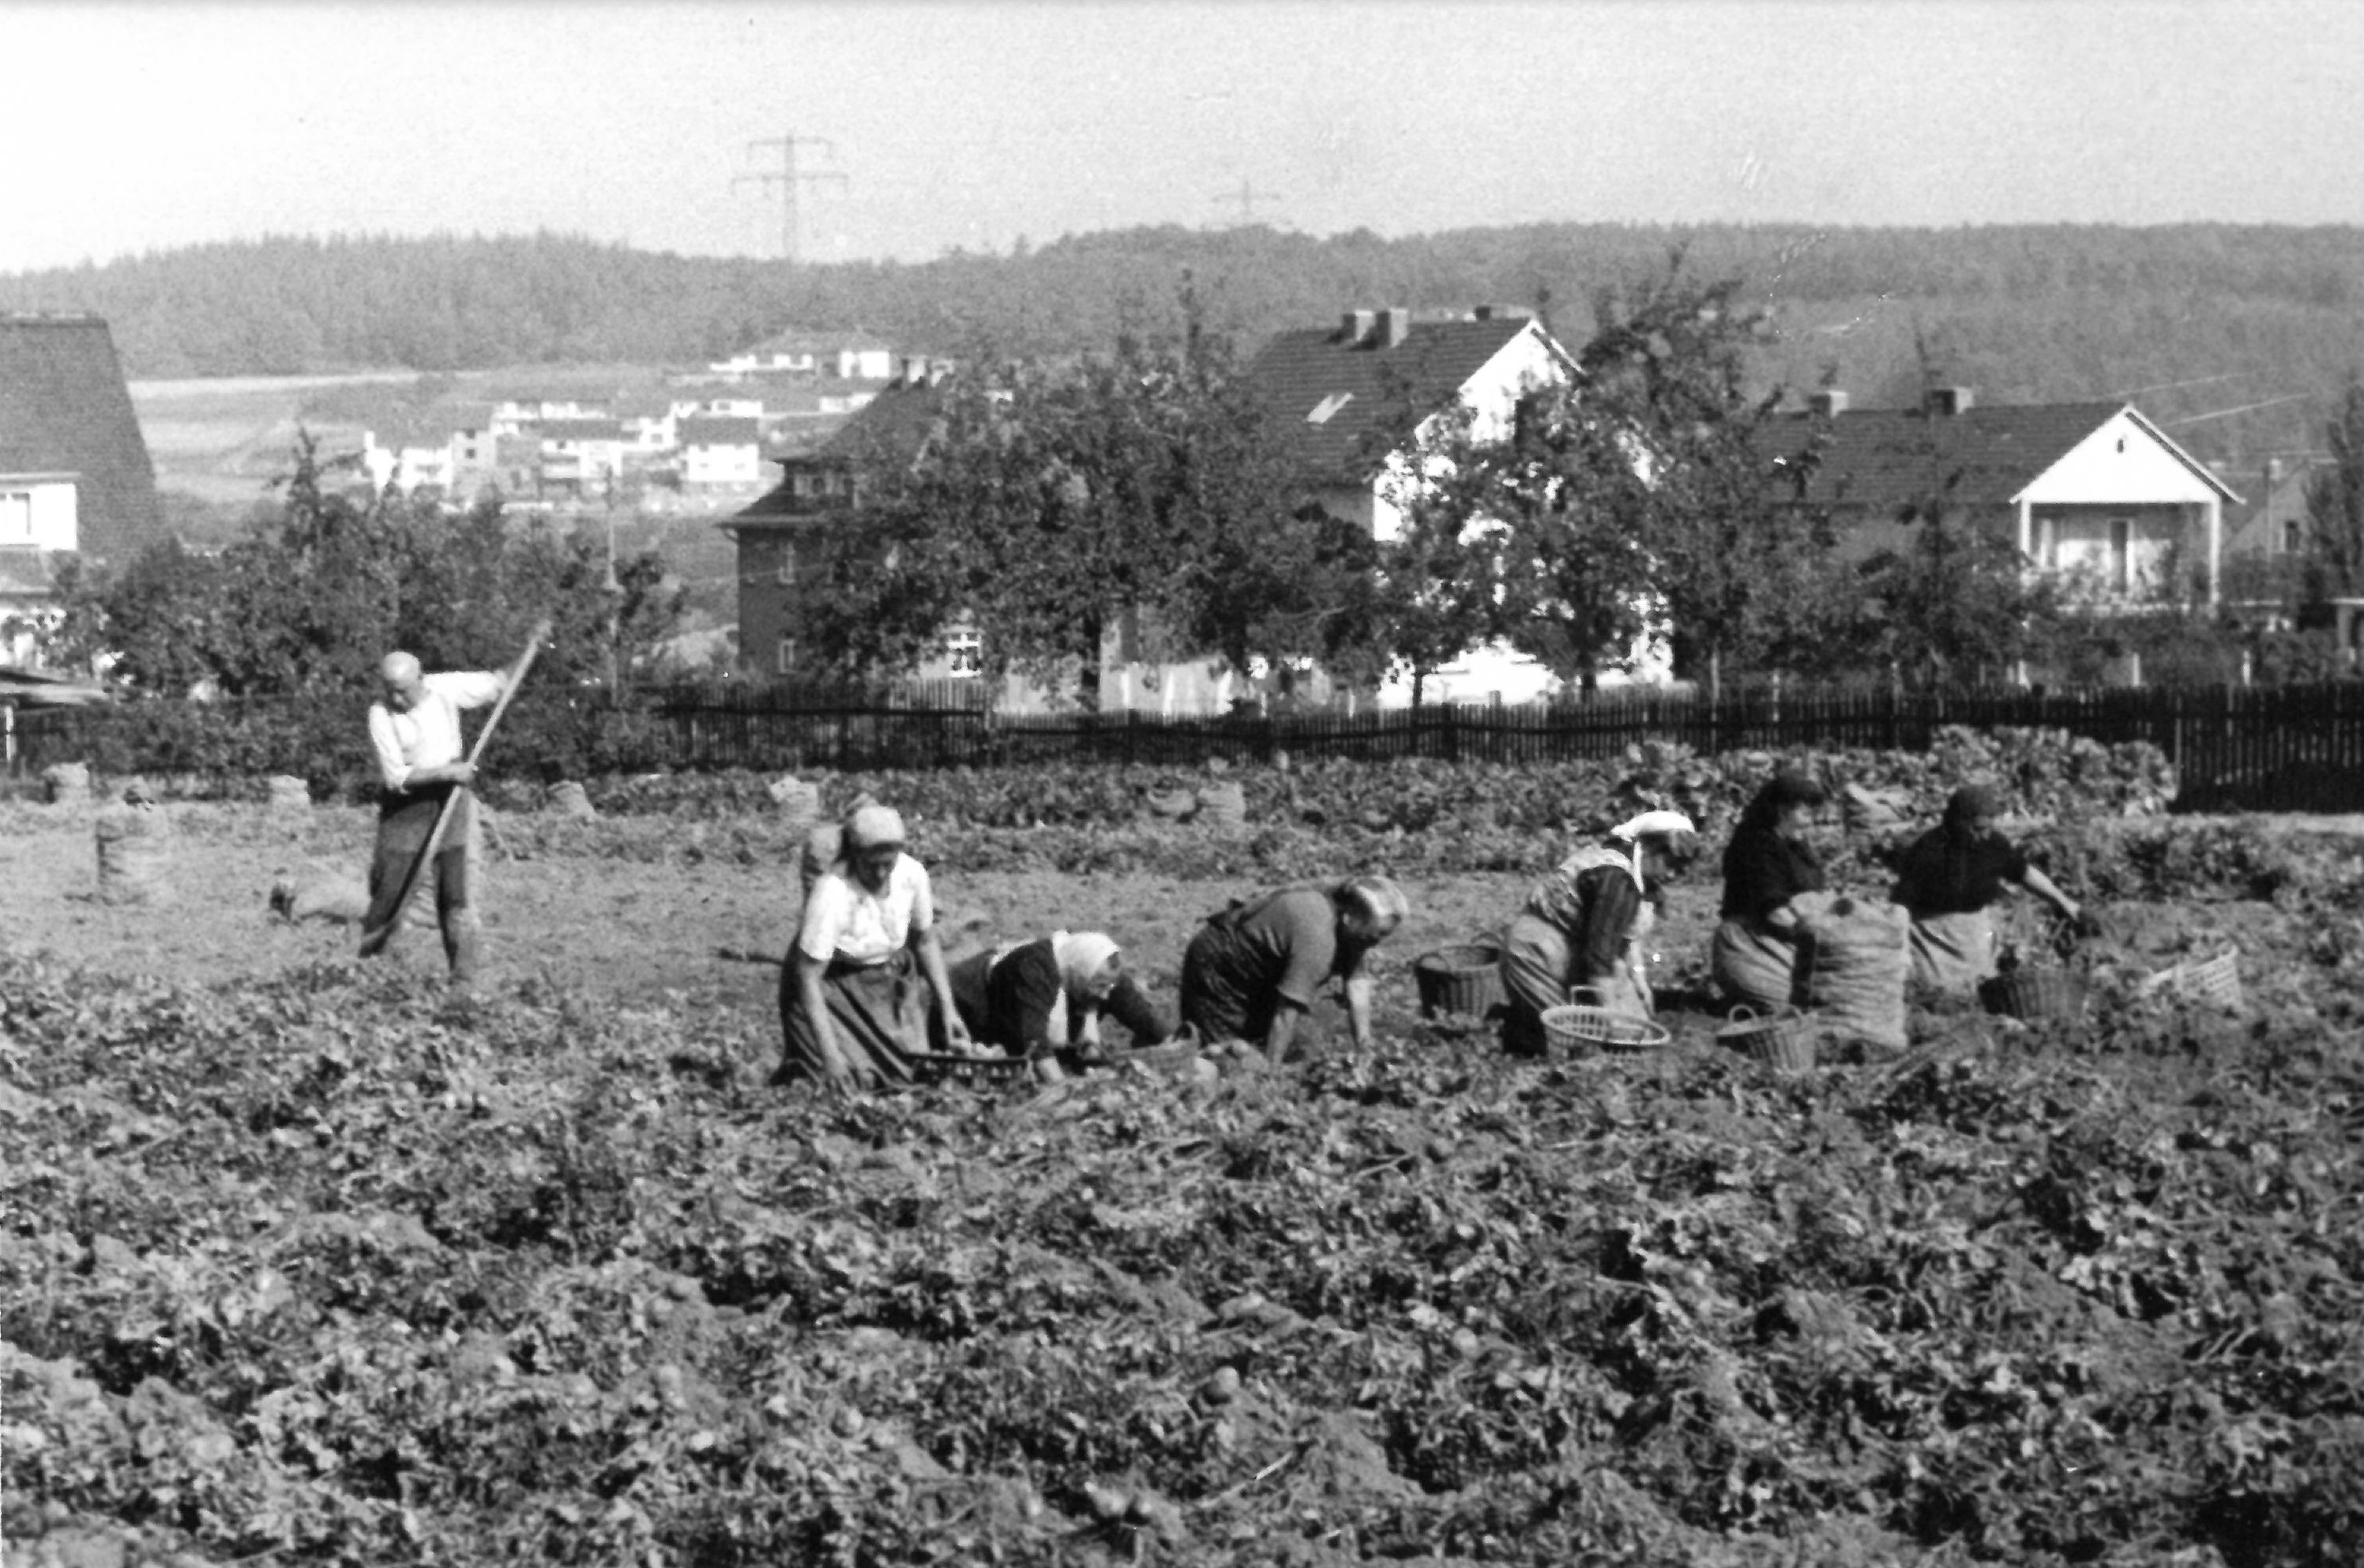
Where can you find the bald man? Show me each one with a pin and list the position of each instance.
(414, 729)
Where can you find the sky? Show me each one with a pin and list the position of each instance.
(920, 128)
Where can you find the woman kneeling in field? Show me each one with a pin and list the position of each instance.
(851, 1008)
(1767, 866)
(1581, 924)
(1045, 997)
(1949, 879)
(1253, 971)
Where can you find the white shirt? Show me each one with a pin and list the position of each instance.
(428, 736)
(844, 920)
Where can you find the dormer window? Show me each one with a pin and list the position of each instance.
(1328, 406)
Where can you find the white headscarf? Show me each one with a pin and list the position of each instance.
(1650, 825)
(1082, 954)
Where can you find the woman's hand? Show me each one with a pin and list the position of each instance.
(957, 1038)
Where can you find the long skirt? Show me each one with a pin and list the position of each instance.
(880, 1010)
(1754, 964)
(1539, 972)
(1952, 953)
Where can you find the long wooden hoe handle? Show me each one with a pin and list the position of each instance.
(377, 941)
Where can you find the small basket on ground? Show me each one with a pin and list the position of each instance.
(973, 1072)
(1172, 1058)
(1578, 1028)
(2217, 982)
(1466, 980)
(1782, 1040)
(2031, 995)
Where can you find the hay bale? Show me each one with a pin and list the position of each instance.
(290, 796)
(66, 784)
(1224, 805)
(135, 854)
(569, 800)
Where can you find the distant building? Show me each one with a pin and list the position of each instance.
(719, 453)
(2091, 492)
(75, 478)
(833, 356)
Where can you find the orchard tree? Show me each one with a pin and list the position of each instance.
(316, 592)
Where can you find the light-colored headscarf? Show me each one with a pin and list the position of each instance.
(1380, 898)
(870, 826)
(1661, 824)
(1082, 956)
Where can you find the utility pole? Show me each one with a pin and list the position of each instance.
(789, 178)
(1247, 196)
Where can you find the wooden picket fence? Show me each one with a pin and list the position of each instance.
(2288, 747)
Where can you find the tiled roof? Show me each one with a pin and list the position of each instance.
(1885, 459)
(715, 430)
(64, 408)
(1373, 393)
(894, 425)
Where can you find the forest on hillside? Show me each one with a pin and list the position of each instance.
(2237, 338)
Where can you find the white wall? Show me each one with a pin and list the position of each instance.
(39, 515)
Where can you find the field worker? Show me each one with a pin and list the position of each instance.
(1253, 971)
(1948, 882)
(1048, 996)
(1767, 866)
(414, 728)
(1582, 924)
(851, 1009)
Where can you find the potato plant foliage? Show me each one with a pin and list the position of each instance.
(311, 1271)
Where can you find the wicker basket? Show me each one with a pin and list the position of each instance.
(1781, 1039)
(975, 1072)
(1578, 1028)
(1173, 1057)
(2032, 994)
(2216, 981)
(1466, 980)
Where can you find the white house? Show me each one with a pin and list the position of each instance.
(719, 453)
(1350, 401)
(2093, 491)
(75, 477)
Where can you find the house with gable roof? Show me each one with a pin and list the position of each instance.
(75, 478)
(1349, 403)
(2094, 492)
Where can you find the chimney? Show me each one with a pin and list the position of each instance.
(1945, 402)
(2273, 470)
(915, 370)
(1828, 404)
(1354, 326)
(1498, 313)
(1395, 326)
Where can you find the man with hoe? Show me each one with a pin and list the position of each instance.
(424, 802)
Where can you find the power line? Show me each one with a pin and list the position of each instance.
(788, 179)
(1247, 196)
(2244, 409)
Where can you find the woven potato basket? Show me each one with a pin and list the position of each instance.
(1173, 1059)
(2033, 994)
(1782, 1040)
(1578, 1028)
(975, 1072)
(2217, 982)
(1464, 980)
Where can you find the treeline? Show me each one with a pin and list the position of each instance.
(2197, 319)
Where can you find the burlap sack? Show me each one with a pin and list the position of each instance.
(798, 800)
(66, 784)
(1224, 805)
(318, 892)
(290, 796)
(135, 854)
(569, 800)
(1858, 955)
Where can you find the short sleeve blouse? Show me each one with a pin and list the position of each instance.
(846, 923)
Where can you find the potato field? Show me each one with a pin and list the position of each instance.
(299, 1264)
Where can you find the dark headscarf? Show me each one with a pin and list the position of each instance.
(1787, 787)
(1971, 805)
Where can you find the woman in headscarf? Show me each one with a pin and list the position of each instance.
(851, 1008)
(1047, 998)
(1581, 923)
(1767, 866)
(1253, 971)
(1948, 881)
